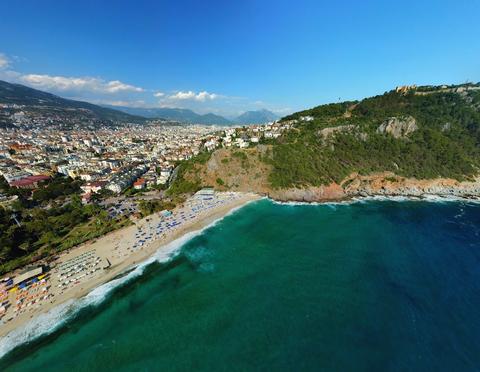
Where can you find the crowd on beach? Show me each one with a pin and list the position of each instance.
(170, 222)
(21, 297)
(16, 299)
(32, 295)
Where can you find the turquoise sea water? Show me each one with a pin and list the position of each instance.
(367, 286)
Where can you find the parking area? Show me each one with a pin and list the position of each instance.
(123, 208)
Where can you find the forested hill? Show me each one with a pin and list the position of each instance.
(424, 132)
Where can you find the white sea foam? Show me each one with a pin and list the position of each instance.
(48, 322)
(326, 203)
(425, 198)
(395, 198)
(296, 203)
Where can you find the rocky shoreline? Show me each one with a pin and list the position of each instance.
(381, 185)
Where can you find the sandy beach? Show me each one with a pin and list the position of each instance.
(78, 271)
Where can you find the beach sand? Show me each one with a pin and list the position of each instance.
(117, 247)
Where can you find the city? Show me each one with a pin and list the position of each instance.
(114, 159)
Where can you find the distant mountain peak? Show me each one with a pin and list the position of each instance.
(190, 117)
(256, 117)
(175, 114)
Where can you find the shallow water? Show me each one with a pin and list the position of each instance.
(364, 286)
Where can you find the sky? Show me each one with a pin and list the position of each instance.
(229, 56)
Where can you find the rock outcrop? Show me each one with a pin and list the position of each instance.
(398, 127)
(391, 185)
(382, 184)
(309, 194)
(330, 131)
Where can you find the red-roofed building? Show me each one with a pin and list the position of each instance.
(20, 147)
(140, 184)
(30, 182)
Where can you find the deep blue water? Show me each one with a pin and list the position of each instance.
(368, 286)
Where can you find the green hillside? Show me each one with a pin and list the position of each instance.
(445, 143)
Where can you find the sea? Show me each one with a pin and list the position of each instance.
(376, 285)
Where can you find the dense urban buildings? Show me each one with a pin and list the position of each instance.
(114, 158)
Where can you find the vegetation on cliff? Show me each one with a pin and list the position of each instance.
(184, 185)
(446, 143)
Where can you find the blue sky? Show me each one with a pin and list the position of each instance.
(234, 55)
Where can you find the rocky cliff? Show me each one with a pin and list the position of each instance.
(398, 127)
(243, 170)
(309, 194)
(387, 184)
(384, 184)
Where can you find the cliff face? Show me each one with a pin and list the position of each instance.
(236, 170)
(385, 184)
(309, 194)
(391, 185)
(398, 127)
(243, 170)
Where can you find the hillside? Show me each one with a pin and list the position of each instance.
(35, 105)
(425, 133)
(366, 137)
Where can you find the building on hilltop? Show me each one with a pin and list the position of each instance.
(404, 89)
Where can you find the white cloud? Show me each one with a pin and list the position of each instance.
(117, 86)
(4, 61)
(63, 83)
(182, 95)
(204, 96)
(200, 97)
(117, 93)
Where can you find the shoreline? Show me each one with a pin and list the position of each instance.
(159, 249)
(17, 332)
(385, 184)
(350, 199)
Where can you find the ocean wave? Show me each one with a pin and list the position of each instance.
(50, 321)
(423, 198)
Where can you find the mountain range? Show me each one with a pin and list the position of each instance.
(189, 116)
(42, 107)
(37, 103)
(174, 114)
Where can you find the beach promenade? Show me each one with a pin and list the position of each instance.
(78, 271)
